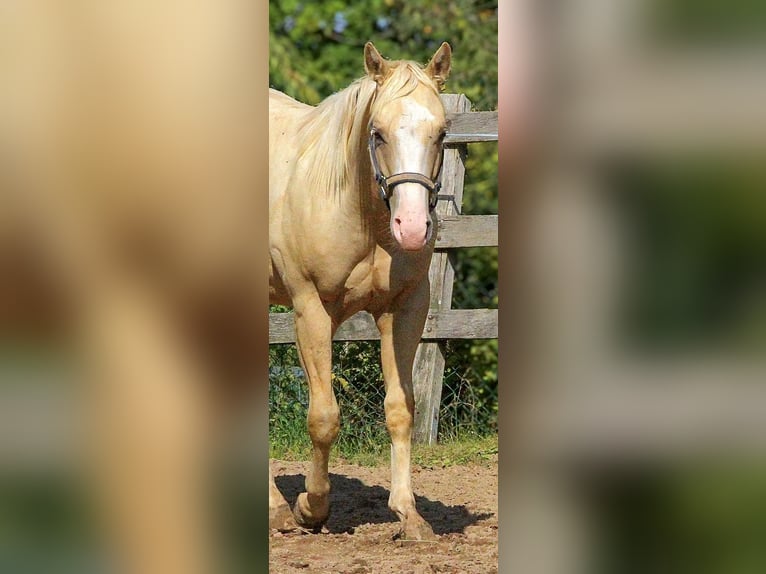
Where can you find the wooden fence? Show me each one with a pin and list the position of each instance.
(454, 231)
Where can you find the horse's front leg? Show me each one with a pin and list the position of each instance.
(313, 329)
(400, 330)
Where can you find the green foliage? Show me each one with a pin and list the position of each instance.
(316, 47)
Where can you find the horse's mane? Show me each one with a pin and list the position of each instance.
(332, 131)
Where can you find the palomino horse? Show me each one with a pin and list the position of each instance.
(352, 186)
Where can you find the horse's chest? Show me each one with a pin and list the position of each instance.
(366, 286)
(351, 289)
(375, 282)
(371, 283)
(360, 286)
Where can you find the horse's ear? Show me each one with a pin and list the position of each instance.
(440, 65)
(377, 67)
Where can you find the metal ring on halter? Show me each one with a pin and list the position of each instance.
(386, 184)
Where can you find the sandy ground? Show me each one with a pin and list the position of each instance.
(460, 503)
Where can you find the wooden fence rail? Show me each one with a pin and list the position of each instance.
(451, 324)
(454, 231)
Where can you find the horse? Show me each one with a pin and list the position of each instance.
(352, 187)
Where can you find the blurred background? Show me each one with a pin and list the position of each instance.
(633, 286)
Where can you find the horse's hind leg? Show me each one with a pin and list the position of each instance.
(280, 515)
(400, 332)
(313, 329)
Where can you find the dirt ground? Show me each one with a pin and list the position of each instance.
(460, 503)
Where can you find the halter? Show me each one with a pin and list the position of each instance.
(387, 184)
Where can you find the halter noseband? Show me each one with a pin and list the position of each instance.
(386, 185)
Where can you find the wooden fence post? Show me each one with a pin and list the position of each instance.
(428, 370)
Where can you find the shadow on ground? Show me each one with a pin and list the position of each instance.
(353, 503)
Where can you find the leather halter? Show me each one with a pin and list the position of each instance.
(386, 184)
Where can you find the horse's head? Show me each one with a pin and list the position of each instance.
(407, 129)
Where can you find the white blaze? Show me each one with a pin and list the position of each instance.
(413, 148)
(410, 219)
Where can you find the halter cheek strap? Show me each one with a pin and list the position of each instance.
(386, 184)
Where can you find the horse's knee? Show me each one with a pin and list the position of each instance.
(399, 416)
(324, 423)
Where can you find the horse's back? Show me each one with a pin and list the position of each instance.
(285, 117)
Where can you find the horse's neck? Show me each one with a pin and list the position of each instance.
(362, 212)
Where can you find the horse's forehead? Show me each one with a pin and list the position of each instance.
(415, 109)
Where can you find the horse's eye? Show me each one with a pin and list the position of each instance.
(379, 139)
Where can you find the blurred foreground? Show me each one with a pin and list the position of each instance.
(132, 304)
(633, 335)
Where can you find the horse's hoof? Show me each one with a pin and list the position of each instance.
(281, 519)
(306, 518)
(416, 530)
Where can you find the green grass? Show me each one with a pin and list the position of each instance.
(458, 451)
(468, 449)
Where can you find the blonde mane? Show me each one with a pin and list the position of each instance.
(334, 132)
